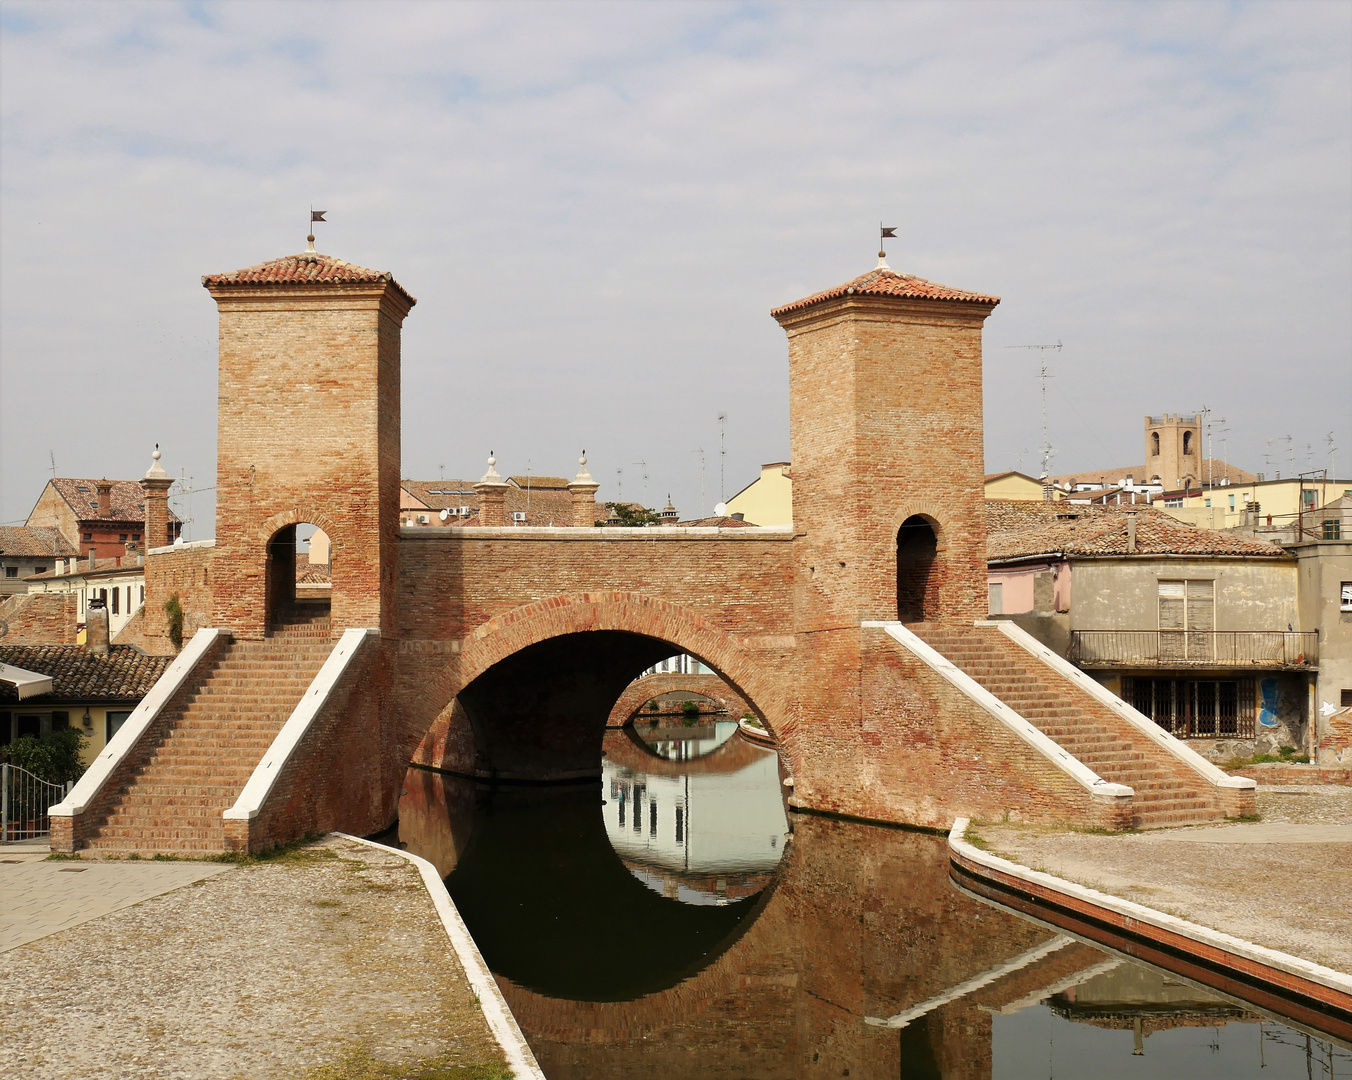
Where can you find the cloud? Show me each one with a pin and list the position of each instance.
(597, 205)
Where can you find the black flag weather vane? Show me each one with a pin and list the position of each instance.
(315, 215)
(884, 232)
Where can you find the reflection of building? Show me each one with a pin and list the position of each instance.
(694, 835)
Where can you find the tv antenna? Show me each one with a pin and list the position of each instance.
(619, 483)
(700, 452)
(1333, 450)
(722, 456)
(644, 466)
(1043, 375)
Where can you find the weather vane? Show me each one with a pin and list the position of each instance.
(315, 215)
(884, 232)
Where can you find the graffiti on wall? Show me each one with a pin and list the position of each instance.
(1270, 703)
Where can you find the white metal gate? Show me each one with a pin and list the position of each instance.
(24, 801)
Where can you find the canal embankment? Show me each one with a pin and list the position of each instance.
(1279, 884)
(331, 960)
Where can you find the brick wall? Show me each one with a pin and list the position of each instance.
(309, 432)
(188, 572)
(40, 618)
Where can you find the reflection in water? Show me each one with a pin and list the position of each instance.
(714, 952)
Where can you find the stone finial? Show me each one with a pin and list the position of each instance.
(582, 490)
(156, 470)
(583, 476)
(491, 477)
(882, 261)
(668, 514)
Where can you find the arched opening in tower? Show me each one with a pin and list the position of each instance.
(299, 578)
(917, 555)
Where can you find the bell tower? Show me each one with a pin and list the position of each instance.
(308, 434)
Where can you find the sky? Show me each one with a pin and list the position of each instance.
(597, 205)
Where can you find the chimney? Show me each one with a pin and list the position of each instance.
(492, 492)
(155, 485)
(96, 628)
(1047, 489)
(583, 491)
(105, 489)
(1131, 533)
(92, 560)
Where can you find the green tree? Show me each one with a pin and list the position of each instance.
(631, 515)
(54, 757)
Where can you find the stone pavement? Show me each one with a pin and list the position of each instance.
(40, 897)
(332, 955)
(1284, 881)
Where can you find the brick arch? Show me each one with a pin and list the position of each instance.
(643, 690)
(297, 515)
(763, 690)
(936, 513)
(919, 587)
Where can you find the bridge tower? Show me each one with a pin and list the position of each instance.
(308, 433)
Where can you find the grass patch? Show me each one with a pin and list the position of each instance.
(63, 856)
(358, 1064)
(298, 852)
(328, 903)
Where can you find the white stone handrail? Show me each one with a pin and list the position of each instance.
(266, 773)
(1138, 720)
(1048, 748)
(138, 723)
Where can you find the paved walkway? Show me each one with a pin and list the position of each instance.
(1284, 882)
(40, 897)
(327, 962)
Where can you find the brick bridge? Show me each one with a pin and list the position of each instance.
(855, 634)
(717, 695)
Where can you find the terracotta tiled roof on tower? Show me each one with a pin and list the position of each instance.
(884, 281)
(305, 268)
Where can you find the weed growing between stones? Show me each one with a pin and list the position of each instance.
(358, 1064)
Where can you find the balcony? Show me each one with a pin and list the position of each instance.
(1273, 649)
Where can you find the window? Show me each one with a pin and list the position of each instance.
(1196, 708)
(116, 593)
(11, 571)
(1333, 529)
(1154, 444)
(143, 588)
(1173, 502)
(60, 721)
(1345, 596)
(1187, 617)
(87, 536)
(1187, 443)
(1232, 504)
(39, 569)
(996, 591)
(1309, 498)
(121, 538)
(5, 735)
(1346, 698)
(136, 536)
(114, 721)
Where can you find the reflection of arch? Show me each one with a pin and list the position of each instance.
(917, 562)
(654, 624)
(639, 692)
(625, 747)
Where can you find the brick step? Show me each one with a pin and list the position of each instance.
(118, 846)
(162, 839)
(205, 820)
(151, 801)
(161, 789)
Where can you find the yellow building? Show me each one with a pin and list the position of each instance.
(767, 500)
(1016, 487)
(1284, 504)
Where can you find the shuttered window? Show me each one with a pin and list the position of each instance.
(1187, 617)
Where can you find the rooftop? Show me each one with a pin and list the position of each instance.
(127, 500)
(307, 268)
(25, 541)
(125, 674)
(886, 282)
(124, 564)
(1030, 530)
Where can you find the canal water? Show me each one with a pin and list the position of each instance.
(675, 922)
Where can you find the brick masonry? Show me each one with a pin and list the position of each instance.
(40, 618)
(503, 650)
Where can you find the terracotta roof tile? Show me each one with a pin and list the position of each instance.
(1028, 530)
(127, 499)
(125, 674)
(24, 541)
(888, 283)
(307, 268)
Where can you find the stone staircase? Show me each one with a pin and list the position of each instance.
(1168, 792)
(305, 618)
(197, 760)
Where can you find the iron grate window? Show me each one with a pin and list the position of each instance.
(1196, 708)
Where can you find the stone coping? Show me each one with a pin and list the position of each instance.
(1176, 747)
(1320, 995)
(500, 1019)
(1082, 774)
(747, 533)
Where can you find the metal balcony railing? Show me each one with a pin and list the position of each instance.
(1195, 648)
